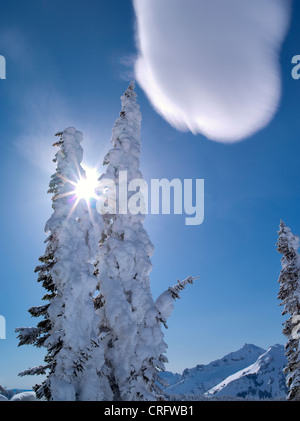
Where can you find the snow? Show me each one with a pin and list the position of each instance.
(24, 396)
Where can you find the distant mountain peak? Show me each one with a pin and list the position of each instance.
(262, 379)
(198, 380)
(250, 347)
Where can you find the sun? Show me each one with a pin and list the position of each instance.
(86, 186)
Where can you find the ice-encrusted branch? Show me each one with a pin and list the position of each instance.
(165, 302)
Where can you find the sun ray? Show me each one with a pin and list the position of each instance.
(62, 195)
(73, 208)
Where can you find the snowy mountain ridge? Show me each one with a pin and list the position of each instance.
(249, 372)
(263, 379)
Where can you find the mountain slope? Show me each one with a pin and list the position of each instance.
(263, 379)
(198, 380)
(170, 378)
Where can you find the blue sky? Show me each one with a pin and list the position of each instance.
(68, 62)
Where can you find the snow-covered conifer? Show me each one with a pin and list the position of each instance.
(289, 294)
(131, 322)
(74, 360)
(130, 325)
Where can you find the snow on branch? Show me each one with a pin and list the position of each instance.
(34, 371)
(175, 290)
(27, 335)
(164, 303)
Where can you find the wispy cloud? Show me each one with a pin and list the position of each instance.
(127, 67)
(42, 113)
(39, 109)
(212, 66)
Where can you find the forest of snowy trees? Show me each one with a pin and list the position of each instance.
(100, 327)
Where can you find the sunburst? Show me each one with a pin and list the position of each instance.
(84, 188)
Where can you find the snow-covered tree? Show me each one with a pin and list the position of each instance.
(131, 322)
(289, 294)
(134, 345)
(75, 357)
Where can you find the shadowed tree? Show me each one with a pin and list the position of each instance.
(289, 294)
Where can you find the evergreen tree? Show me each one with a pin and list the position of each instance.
(131, 322)
(74, 360)
(289, 294)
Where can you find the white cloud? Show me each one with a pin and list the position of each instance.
(212, 66)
